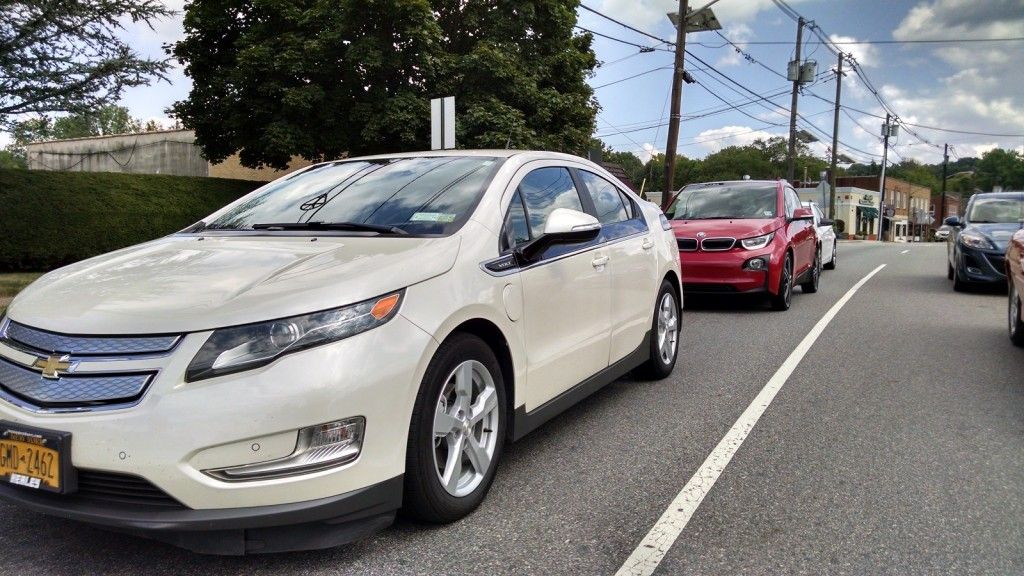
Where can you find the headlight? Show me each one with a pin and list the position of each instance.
(757, 241)
(974, 240)
(246, 347)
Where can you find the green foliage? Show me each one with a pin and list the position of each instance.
(319, 78)
(62, 56)
(916, 173)
(999, 167)
(54, 218)
(9, 159)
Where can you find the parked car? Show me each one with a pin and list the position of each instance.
(746, 237)
(351, 338)
(977, 243)
(942, 232)
(826, 236)
(1015, 281)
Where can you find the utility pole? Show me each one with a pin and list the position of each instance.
(835, 142)
(790, 172)
(942, 195)
(881, 179)
(677, 103)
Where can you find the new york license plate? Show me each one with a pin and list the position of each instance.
(34, 458)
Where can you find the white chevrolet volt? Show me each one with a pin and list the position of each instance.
(355, 338)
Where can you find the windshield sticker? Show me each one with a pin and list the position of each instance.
(767, 213)
(441, 217)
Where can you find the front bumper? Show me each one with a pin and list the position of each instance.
(179, 429)
(979, 266)
(723, 273)
(308, 525)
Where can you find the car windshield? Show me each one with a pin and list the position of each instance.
(431, 195)
(996, 211)
(733, 202)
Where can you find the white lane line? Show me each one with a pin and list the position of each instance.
(905, 251)
(652, 549)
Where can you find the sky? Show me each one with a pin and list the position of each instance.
(974, 87)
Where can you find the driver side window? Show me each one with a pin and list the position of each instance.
(539, 194)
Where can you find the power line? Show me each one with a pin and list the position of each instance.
(602, 35)
(645, 72)
(863, 42)
(624, 25)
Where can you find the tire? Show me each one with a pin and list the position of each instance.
(949, 270)
(832, 263)
(463, 359)
(958, 284)
(664, 335)
(784, 298)
(811, 286)
(1016, 315)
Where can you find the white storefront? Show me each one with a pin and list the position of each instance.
(856, 210)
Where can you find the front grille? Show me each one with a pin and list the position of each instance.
(52, 342)
(717, 244)
(70, 391)
(111, 487)
(998, 262)
(686, 244)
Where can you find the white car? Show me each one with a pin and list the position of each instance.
(355, 337)
(826, 236)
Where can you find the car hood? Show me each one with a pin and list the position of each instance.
(186, 283)
(999, 234)
(739, 228)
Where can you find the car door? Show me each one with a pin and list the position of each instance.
(826, 234)
(632, 264)
(803, 234)
(566, 290)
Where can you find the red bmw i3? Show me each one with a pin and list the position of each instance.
(746, 237)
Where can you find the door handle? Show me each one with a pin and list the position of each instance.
(648, 244)
(599, 261)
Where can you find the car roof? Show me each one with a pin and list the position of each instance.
(1011, 195)
(495, 153)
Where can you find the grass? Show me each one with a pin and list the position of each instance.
(11, 284)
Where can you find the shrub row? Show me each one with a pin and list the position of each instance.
(49, 219)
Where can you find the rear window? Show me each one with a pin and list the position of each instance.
(726, 202)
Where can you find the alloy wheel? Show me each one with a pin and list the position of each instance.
(668, 327)
(465, 426)
(787, 279)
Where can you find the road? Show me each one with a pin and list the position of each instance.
(896, 445)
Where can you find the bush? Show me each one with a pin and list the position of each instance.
(49, 219)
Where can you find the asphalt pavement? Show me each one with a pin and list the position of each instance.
(895, 446)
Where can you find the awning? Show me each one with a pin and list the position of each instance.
(868, 212)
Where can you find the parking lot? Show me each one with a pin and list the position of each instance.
(893, 445)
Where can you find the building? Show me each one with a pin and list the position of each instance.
(163, 152)
(908, 207)
(856, 214)
(952, 208)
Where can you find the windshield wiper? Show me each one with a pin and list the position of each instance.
(317, 225)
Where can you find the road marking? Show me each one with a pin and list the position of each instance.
(652, 549)
(905, 251)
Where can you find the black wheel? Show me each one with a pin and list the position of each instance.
(949, 270)
(832, 263)
(784, 298)
(664, 335)
(958, 284)
(457, 431)
(1016, 316)
(811, 286)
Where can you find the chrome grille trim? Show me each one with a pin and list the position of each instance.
(28, 389)
(686, 244)
(46, 342)
(718, 244)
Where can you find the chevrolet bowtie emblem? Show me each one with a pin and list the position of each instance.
(53, 365)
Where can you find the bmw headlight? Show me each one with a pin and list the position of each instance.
(974, 240)
(251, 346)
(757, 241)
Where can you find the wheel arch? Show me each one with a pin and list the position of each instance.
(495, 339)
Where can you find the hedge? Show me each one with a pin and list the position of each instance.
(49, 219)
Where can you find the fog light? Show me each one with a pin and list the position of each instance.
(317, 448)
(973, 270)
(757, 264)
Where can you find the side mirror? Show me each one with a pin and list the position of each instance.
(953, 221)
(826, 222)
(802, 214)
(564, 226)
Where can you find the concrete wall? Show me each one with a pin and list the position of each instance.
(167, 152)
(171, 152)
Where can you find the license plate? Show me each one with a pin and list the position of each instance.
(35, 458)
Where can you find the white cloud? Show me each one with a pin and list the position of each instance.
(715, 139)
(865, 54)
(740, 34)
(650, 15)
(648, 150)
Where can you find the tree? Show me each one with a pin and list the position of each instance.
(66, 56)
(104, 121)
(999, 167)
(320, 78)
